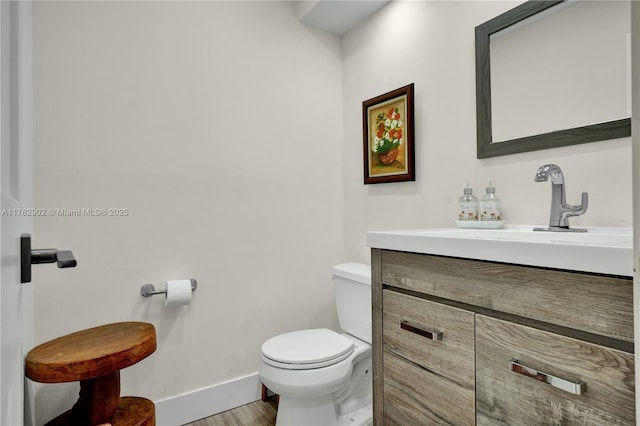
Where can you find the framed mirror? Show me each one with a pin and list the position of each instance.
(551, 74)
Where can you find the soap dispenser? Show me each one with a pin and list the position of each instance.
(468, 205)
(490, 208)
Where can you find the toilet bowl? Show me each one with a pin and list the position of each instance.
(324, 377)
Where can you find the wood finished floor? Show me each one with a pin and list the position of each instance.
(257, 413)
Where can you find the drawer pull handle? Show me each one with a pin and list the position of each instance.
(575, 388)
(431, 335)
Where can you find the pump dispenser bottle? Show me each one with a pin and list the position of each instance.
(468, 205)
(490, 207)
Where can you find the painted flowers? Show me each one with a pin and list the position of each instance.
(388, 131)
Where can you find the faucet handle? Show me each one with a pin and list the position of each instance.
(571, 211)
(583, 205)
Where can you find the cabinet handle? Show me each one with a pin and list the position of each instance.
(431, 335)
(575, 388)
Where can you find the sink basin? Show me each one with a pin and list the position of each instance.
(600, 250)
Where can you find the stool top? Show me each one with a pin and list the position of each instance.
(91, 353)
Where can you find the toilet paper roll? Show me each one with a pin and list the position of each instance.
(178, 293)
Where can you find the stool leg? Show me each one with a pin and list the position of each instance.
(98, 400)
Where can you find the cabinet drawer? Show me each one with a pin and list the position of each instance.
(599, 304)
(407, 322)
(507, 397)
(416, 396)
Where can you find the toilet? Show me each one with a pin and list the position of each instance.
(324, 377)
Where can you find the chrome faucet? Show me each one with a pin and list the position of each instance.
(560, 210)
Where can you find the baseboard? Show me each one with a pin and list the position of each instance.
(205, 402)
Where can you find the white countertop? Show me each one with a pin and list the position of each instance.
(600, 250)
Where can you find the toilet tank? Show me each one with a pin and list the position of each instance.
(352, 283)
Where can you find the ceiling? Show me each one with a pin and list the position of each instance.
(337, 16)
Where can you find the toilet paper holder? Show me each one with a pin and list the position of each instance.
(148, 290)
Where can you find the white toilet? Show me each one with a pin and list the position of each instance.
(323, 377)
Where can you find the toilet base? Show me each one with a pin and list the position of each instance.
(306, 412)
(361, 417)
(303, 412)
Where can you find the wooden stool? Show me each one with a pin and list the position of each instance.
(95, 357)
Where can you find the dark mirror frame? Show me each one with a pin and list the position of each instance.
(486, 146)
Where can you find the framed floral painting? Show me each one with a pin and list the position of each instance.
(387, 123)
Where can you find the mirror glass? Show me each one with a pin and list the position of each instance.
(576, 60)
(553, 75)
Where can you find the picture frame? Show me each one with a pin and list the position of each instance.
(388, 137)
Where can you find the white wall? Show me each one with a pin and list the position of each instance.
(431, 44)
(218, 125)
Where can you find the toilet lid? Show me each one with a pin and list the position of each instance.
(308, 348)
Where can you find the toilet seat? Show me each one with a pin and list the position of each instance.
(307, 349)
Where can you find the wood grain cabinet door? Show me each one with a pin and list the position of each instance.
(428, 362)
(526, 376)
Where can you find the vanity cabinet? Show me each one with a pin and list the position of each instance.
(462, 342)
